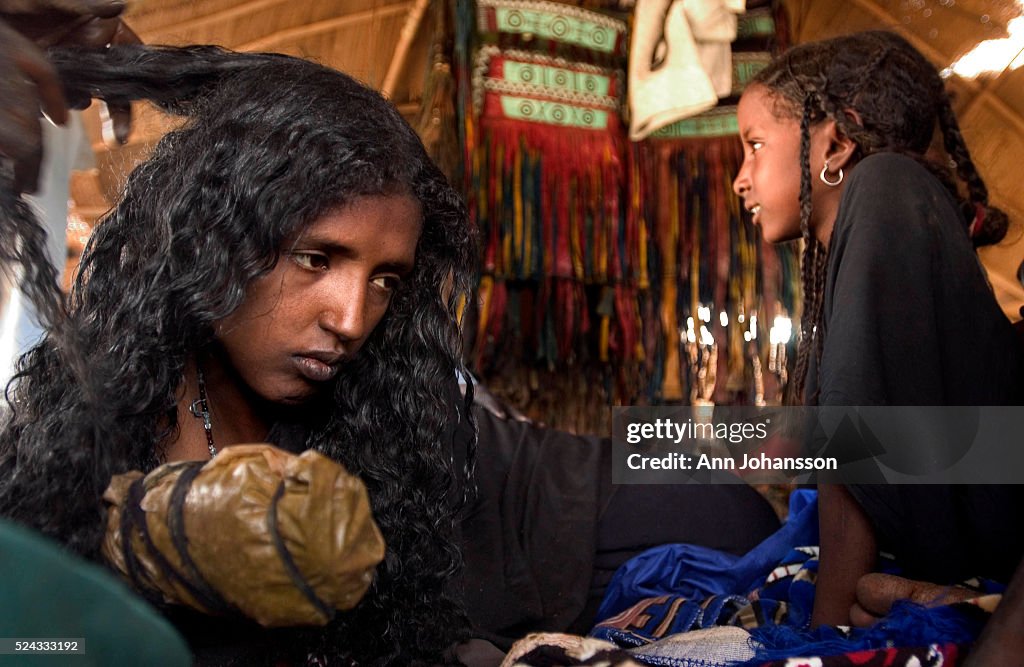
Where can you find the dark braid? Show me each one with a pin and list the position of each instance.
(806, 261)
(898, 98)
(805, 167)
(993, 227)
(818, 287)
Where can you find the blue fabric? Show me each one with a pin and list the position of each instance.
(664, 616)
(769, 592)
(907, 624)
(795, 589)
(786, 597)
(695, 573)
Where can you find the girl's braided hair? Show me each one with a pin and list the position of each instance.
(898, 97)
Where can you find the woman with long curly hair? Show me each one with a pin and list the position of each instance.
(280, 256)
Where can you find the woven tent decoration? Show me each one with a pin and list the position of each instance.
(606, 265)
(726, 293)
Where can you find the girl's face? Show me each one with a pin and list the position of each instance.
(769, 180)
(300, 323)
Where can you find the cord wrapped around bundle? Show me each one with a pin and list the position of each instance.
(282, 539)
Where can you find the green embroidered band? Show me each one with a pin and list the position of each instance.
(714, 123)
(553, 113)
(552, 21)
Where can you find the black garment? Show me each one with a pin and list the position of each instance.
(548, 528)
(909, 319)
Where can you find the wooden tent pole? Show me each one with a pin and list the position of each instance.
(409, 30)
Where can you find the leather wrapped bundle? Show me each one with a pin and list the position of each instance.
(281, 539)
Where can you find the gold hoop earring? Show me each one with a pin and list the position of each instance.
(831, 184)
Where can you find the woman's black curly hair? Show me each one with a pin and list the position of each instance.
(899, 98)
(270, 144)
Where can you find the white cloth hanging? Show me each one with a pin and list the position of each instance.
(680, 61)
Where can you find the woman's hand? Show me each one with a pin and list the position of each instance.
(29, 83)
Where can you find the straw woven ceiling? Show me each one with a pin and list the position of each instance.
(357, 36)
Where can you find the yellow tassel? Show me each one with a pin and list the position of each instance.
(645, 279)
(603, 343)
(460, 309)
(671, 388)
(486, 288)
(641, 354)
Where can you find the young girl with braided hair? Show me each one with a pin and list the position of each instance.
(838, 138)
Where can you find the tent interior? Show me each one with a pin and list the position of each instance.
(393, 46)
(705, 311)
(361, 37)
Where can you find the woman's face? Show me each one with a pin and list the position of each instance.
(300, 323)
(769, 180)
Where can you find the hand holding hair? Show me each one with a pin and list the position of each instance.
(29, 82)
(100, 8)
